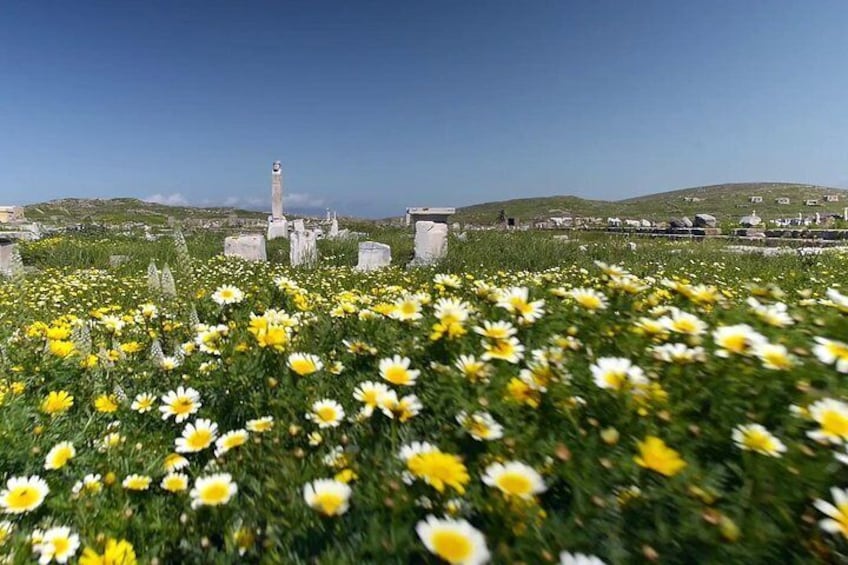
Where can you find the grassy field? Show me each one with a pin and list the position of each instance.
(525, 401)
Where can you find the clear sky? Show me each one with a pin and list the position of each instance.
(373, 106)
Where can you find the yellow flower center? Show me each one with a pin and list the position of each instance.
(758, 441)
(182, 405)
(61, 545)
(215, 493)
(23, 497)
(303, 366)
(328, 502)
(200, 439)
(327, 414)
(397, 375)
(834, 423)
(514, 484)
(451, 546)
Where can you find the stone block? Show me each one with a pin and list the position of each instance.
(249, 247)
(373, 255)
(431, 242)
(705, 221)
(304, 248)
(277, 228)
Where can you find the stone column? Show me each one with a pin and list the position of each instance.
(277, 224)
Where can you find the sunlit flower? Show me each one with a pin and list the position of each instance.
(615, 373)
(588, 299)
(832, 417)
(774, 356)
(136, 482)
(174, 482)
(655, 455)
(396, 371)
(181, 404)
(59, 455)
(837, 515)
(326, 413)
(514, 478)
(57, 402)
(772, 314)
(56, 544)
(678, 353)
(455, 541)
(175, 462)
(684, 323)
(106, 404)
(143, 403)
(304, 364)
(23, 494)
(260, 425)
(740, 339)
(439, 470)
(496, 330)
(370, 393)
(328, 496)
(407, 309)
(197, 436)
(480, 425)
(831, 352)
(509, 350)
(473, 369)
(227, 294)
(115, 553)
(213, 490)
(229, 441)
(754, 437)
(403, 409)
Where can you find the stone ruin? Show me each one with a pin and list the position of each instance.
(303, 251)
(373, 255)
(248, 247)
(431, 233)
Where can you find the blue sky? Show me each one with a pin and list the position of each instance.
(375, 106)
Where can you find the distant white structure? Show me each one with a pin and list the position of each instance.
(755, 199)
(811, 202)
(782, 200)
(831, 198)
(11, 214)
(425, 214)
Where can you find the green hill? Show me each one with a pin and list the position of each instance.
(120, 210)
(728, 202)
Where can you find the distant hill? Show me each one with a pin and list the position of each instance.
(728, 202)
(119, 210)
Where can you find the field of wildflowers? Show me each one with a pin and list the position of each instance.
(561, 403)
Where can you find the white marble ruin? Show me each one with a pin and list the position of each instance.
(249, 247)
(6, 252)
(431, 242)
(277, 224)
(373, 255)
(304, 248)
(298, 225)
(428, 214)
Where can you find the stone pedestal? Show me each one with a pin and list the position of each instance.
(373, 255)
(277, 228)
(298, 225)
(304, 248)
(431, 242)
(249, 247)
